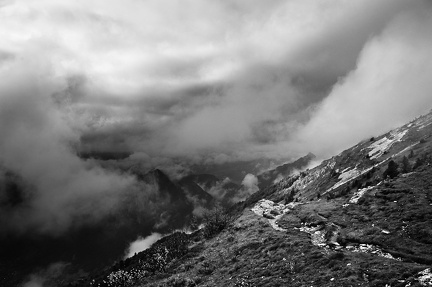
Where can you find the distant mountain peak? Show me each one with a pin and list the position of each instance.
(271, 176)
(158, 173)
(310, 155)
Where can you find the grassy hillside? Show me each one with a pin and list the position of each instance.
(361, 218)
(382, 240)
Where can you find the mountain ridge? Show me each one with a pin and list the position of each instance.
(272, 176)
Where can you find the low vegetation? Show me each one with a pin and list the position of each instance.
(215, 221)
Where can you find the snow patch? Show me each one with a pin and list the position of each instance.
(423, 122)
(379, 147)
(304, 181)
(351, 174)
(423, 126)
(348, 176)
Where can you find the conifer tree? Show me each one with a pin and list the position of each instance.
(392, 169)
(406, 167)
(411, 154)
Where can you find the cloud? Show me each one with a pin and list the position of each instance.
(260, 107)
(46, 277)
(142, 244)
(250, 181)
(249, 186)
(220, 190)
(141, 163)
(38, 145)
(389, 86)
(231, 77)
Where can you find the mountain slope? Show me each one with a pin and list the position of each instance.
(196, 194)
(223, 192)
(91, 247)
(269, 177)
(205, 181)
(361, 218)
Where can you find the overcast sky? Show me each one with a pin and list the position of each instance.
(235, 77)
(202, 80)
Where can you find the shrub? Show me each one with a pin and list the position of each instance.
(181, 282)
(231, 238)
(215, 221)
(411, 154)
(206, 268)
(419, 162)
(392, 169)
(336, 256)
(289, 197)
(406, 166)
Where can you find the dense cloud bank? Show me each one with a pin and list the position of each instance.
(389, 86)
(194, 81)
(56, 187)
